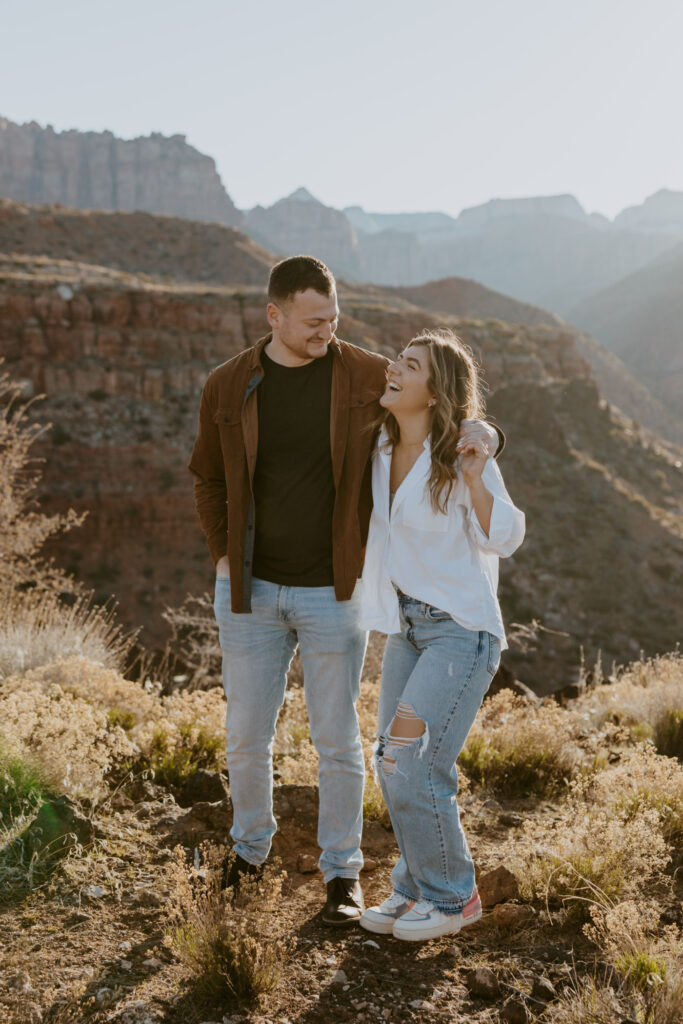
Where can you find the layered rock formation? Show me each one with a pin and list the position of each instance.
(122, 364)
(166, 247)
(95, 170)
(301, 224)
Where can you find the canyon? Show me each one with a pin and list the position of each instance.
(121, 358)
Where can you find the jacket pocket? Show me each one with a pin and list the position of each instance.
(363, 398)
(227, 417)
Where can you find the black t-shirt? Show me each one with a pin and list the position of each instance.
(293, 481)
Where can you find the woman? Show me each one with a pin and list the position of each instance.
(442, 517)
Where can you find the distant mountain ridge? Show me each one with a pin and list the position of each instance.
(543, 251)
(96, 170)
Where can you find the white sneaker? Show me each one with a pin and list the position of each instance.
(381, 919)
(424, 921)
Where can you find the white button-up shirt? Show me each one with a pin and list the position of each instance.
(445, 560)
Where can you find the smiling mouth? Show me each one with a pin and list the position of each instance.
(393, 387)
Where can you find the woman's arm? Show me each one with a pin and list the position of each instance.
(497, 525)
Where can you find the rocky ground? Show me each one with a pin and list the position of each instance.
(89, 942)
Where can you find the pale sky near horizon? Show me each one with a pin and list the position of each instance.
(392, 105)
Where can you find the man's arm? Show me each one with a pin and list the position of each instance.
(206, 465)
(489, 433)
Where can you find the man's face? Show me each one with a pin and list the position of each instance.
(303, 326)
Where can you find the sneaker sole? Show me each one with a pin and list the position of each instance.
(348, 922)
(383, 927)
(421, 934)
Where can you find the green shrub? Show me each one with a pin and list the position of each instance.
(22, 786)
(174, 760)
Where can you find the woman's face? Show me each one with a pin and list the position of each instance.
(406, 389)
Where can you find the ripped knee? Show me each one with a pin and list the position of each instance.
(406, 730)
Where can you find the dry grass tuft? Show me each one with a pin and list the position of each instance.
(614, 836)
(233, 947)
(646, 697)
(514, 748)
(37, 628)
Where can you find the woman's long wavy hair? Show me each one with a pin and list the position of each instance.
(455, 383)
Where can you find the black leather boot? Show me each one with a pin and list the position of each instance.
(234, 870)
(344, 902)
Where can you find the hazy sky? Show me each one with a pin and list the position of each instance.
(394, 105)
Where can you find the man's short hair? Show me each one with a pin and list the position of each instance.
(297, 274)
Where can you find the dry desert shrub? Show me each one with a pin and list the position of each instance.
(233, 945)
(514, 748)
(194, 640)
(37, 628)
(119, 722)
(646, 980)
(186, 731)
(647, 697)
(645, 780)
(592, 853)
(73, 742)
(23, 529)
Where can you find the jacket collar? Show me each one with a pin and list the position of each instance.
(257, 351)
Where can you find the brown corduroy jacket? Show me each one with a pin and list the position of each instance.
(224, 458)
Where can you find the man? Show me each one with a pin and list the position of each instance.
(282, 490)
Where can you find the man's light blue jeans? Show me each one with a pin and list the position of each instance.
(257, 650)
(440, 671)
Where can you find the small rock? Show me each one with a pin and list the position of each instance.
(21, 982)
(203, 786)
(121, 802)
(482, 982)
(339, 978)
(512, 915)
(151, 962)
(104, 995)
(147, 898)
(369, 865)
(569, 692)
(491, 805)
(94, 892)
(305, 864)
(59, 826)
(370, 944)
(514, 1012)
(496, 886)
(125, 965)
(510, 819)
(144, 789)
(78, 917)
(125, 946)
(543, 989)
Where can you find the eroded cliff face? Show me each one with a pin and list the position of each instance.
(122, 364)
(95, 170)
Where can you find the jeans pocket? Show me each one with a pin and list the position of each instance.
(494, 654)
(436, 614)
